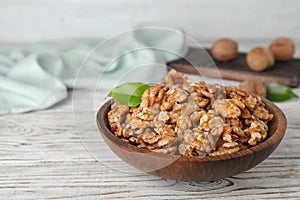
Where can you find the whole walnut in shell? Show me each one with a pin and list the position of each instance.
(282, 48)
(224, 49)
(254, 86)
(260, 59)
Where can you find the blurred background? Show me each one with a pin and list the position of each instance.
(245, 21)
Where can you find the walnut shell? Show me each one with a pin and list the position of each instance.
(224, 49)
(260, 59)
(254, 86)
(282, 48)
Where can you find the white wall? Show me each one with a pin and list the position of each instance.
(23, 21)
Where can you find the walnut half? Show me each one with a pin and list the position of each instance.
(254, 86)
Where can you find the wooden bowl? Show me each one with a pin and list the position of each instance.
(192, 168)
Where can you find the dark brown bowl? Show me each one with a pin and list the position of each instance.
(189, 168)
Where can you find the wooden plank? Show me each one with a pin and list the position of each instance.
(197, 61)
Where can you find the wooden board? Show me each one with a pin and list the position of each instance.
(287, 73)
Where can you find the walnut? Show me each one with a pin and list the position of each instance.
(217, 91)
(230, 145)
(224, 49)
(184, 123)
(185, 149)
(167, 130)
(164, 140)
(215, 122)
(169, 150)
(234, 92)
(163, 116)
(195, 118)
(113, 123)
(175, 78)
(227, 108)
(192, 119)
(245, 114)
(178, 94)
(255, 138)
(250, 102)
(118, 112)
(257, 131)
(262, 113)
(150, 137)
(199, 100)
(224, 151)
(254, 86)
(209, 143)
(167, 106)
(204, 119)
(151, 96)
(259, 59)
(282, 48)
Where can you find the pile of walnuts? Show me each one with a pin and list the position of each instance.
(192, 119)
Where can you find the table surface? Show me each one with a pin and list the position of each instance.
(56, 154)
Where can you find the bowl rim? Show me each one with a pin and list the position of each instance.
(276, 137)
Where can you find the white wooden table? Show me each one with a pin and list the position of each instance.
(43, 156)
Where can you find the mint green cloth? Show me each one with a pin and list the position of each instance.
(37, 76)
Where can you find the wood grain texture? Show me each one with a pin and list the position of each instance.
(42, 157)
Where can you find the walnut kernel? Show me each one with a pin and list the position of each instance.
(192, 119)
(254, 86)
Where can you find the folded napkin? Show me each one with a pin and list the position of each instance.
(37, 76)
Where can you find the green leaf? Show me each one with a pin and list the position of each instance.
(129, 93)
(278, 92)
